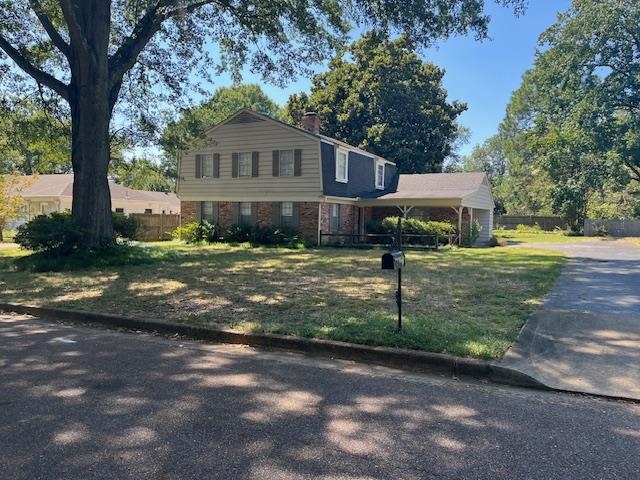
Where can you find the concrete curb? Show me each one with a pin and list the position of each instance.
(412, 360)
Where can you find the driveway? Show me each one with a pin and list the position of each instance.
(586, 336)
(81, 403)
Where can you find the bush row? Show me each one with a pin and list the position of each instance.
(204, 231)
(412, 226)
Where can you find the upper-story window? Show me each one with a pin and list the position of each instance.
(286, 163)
(244, 164)
(208, 165)
(342, 165)
(380, 175)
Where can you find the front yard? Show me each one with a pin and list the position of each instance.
(467, 302)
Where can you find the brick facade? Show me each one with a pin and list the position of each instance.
(188, 212)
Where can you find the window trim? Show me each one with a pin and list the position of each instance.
(380, 186)
(344, 151)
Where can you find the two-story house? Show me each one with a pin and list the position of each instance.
(253, 169)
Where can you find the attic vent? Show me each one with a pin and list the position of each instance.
(246, 117)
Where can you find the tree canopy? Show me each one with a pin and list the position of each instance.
(571, 133)
(380, 96)
(98, 55)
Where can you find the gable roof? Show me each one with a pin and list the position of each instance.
(245, 115)
(61, 185)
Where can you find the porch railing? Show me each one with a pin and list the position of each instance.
(409, 240)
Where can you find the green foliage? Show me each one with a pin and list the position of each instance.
(142, 174)
(56, 235)
(528, 228)
(117, 255)
(570, 134)
(267, 235)
(380, 96)
(125, 226)
(198, 232)
(411, 226)
(53, 233)
(474, 232)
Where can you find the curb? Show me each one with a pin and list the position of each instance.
(403, 359)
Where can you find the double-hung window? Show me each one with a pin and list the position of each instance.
(380, 175)
(286, 163)
(244, 164)
(245, 213)
(342, 165)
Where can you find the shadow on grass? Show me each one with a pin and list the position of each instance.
(464, 302)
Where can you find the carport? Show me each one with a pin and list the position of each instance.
(461, 198)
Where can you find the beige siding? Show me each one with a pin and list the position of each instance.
(264, 137)
(485, 218)
(482, 198)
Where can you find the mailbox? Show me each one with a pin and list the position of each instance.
(393, 260)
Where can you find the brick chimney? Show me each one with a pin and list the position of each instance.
(311, 122)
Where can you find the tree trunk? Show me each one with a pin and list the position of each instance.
(91, 109)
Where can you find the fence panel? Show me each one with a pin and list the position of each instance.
(616, 228)
(546, 223)
(155, 226)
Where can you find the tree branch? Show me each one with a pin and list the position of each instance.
(634, 169)
(53, 33)
(125, 57)
(39, 75)
(75, 32)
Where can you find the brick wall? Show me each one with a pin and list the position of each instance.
(308, 222)
(188, 212)
(225, 214)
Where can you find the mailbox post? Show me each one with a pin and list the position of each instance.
(394, 260)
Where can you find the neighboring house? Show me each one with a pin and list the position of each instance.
(53, 193)
(252, 169)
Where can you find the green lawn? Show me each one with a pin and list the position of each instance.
(538, 236)
(468, 302)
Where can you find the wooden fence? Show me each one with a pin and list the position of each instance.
(510, 222)
(154, 226)
(616, 228)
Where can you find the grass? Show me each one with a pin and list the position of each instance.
(538, 236)
(467, 302)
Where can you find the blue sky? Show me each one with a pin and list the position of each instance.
(482, 74)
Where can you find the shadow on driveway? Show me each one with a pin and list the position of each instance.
(586, 336)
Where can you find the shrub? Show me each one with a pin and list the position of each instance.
(55, 233)
(124, 226)
(196, 232)
(600, 230)
(528, 228)
(413, 226)
(238, 234)
(52, 233)
(474, 232)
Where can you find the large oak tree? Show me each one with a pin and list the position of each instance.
(97, 53)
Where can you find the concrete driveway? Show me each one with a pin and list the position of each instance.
(586, 336)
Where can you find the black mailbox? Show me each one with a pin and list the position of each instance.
(393, 260)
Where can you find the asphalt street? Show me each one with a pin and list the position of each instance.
(84, 403)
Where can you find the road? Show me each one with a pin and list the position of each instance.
(83, 403)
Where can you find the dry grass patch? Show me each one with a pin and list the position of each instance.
(469, 302)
